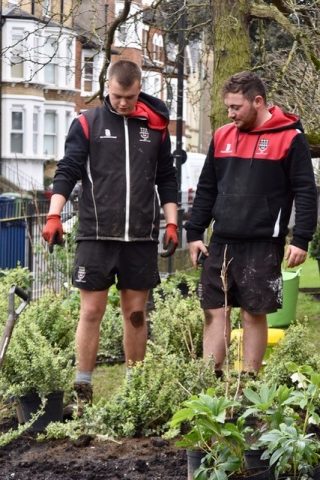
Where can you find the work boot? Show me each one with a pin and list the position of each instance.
(84, 396)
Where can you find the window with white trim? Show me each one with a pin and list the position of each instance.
(145, 42)
(17, 53)
(129, 33)
(50, 133)
(16, 133)
(69, 61)
(157, 44)
(35, 131)
(51, 66)
(46, 8)
(68, 120)
(88, 73)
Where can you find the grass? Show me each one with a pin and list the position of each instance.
(107, 380)
(310, 275)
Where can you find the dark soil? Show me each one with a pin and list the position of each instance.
(90, 459)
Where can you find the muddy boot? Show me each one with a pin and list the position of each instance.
(84, 396)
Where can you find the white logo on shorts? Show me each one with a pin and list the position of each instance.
(81, 275)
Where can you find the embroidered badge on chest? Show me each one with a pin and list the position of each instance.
(144, 135)
(263, 145)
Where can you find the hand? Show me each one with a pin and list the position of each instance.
(170, 240)
(53, 231)
(195, 248)
(295, 256)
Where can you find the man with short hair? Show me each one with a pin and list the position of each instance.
(255, 167)
(121, 152)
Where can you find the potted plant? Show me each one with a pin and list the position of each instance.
(289, 447)
(221, 440)
(314, 248)
(268, 406)
(33, 371)
(291, 452)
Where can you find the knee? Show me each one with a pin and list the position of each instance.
(253, 319)
(137, 319)
(92, 314)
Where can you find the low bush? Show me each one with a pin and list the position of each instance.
(177, 319)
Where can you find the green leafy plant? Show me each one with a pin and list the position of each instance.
(32, 364)
(56, 321)
(111, 335)
(287, 414)
(296, 346)
(177, 321)
(19, 276)
(209, 430)
(270, 405)
(306, 395)
(290, 451)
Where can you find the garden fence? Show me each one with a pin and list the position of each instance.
(21, 222)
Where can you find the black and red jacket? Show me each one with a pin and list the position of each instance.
(125, 165)
(249, 181)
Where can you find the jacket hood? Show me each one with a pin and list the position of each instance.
(151, 108)
(280, 120)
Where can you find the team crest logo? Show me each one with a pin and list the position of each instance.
(81, 275)
(263, 145)
(144, 135)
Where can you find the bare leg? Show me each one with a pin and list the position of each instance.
(216, 335)
(93, 305)
(255, 339)
(133, 305)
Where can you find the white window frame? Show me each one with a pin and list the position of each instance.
(52, 135)
(35, 130)
(157, 48)
(129, 33)
(17, 52)
(69, 68)
(17, 109)
(88, 73)
(46, 8)
(51, 63)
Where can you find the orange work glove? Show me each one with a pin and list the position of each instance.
(170, 240)
(53, 231)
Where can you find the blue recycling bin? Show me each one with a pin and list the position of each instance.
(12, 234)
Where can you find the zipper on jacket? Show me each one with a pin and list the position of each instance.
(127, 220)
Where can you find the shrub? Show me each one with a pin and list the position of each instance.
(177, 320)
(296, 346)
(56, 322)
(149, 397)
(19, 276)
(111, 334)
(32, 364)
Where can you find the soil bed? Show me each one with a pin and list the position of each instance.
(88, 459)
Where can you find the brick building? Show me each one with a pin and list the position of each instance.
(52, 55)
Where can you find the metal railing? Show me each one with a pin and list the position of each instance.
(21, 243)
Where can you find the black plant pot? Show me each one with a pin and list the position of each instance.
(316, 472)
(30, 404)
(261, 473)
(194, 458)
(253, 459)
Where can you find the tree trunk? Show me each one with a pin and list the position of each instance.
(231, 49)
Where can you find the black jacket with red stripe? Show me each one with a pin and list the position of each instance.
(125, 165)
(249, 181)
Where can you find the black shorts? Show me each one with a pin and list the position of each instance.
(254, 280)
(131, 265)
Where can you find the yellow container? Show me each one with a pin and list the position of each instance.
(274, 336)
